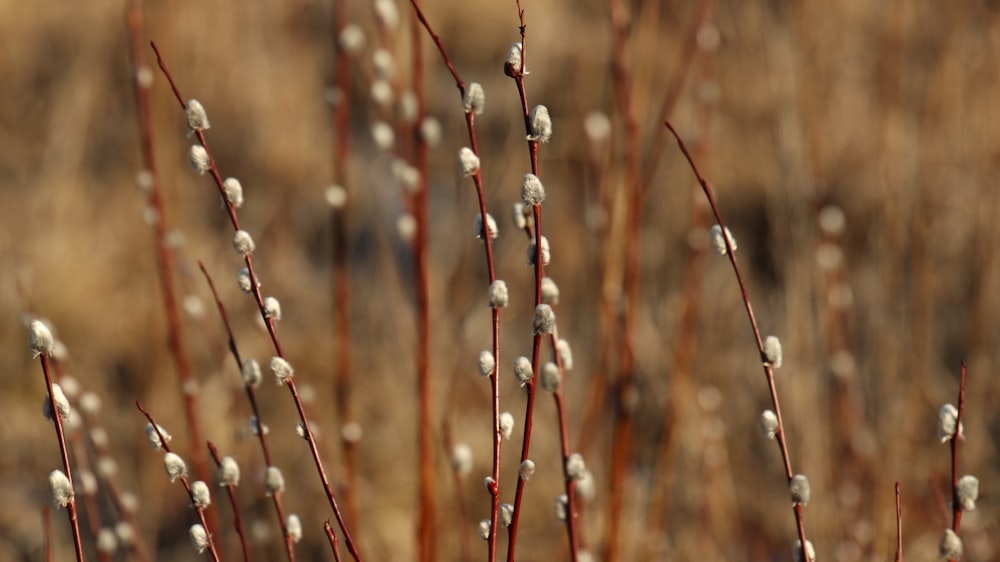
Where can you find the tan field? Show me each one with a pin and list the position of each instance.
(854, 151)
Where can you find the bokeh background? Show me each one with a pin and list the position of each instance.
(854, 149)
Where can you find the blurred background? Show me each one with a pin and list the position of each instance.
(853, 148)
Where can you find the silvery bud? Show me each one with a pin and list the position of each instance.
(947, 419)
(243, 243)
(772, 350)
(799, 489)
(523, 370)
(545, 320)
(499, 297)
(200, 495)
(62, 489)
(234, 192)
(174, 466)
(154, 438)
(720, 242)
(967, 492)
(769, 423)
(274, 481)
(487, 363)
(229, 472)
(540, 124)
(468, 162)
(198, 158)
(950, 546)
(197, 118)
(474, 100)
(199, 537)
(506, 424)
(532, 190)
(281, 369)
(40, 338)
(251, 373)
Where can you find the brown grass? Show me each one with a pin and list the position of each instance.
(886, 111)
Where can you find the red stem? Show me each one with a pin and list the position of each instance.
(164, 254)
(64, 453)
(956, 514)
(768, 369)
(237, 520)
(899, 528)
(268, 321)
(332, 537)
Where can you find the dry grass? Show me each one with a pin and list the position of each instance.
(887, 112)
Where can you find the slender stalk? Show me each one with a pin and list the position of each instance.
(252, 398)
(572, 532)
(268, 321)
(164, 254)
(768, 369)
(342, 348)
(899, 528)
(332, 537)
(427, 526)
(237, 519)
(956, 514)
(200, 511)
(477, 179)
(64, 453)
(463, 515)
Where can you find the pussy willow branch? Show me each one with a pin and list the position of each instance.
(268, 322)
(768, 368)
(341, 278)
(57, 421)
(184, 482)
(956, 506)
(899, 528)
(558, 396)
(252, 398)
(477, 179)
(164, 254)
(237, 520)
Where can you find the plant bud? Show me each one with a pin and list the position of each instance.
(719, 242)
(468, 162)
(274, 481)
(198, 158)
(200, 495)
(281, 369)
(565, 353)
(243, 243)
(550, 291)
(506, 424)
(229, 472)
(551, 378)
(487, 363)
(533, 252)
(506, 514)
(769, 423)
(293, 527)
(950, 546)
(772, 350)
(526, 470)
(197, 118)
(474, 100)
(562, 507)
(272, 308)
(484, 529)
(199, 537)
(430, 131)
(523, 370)
(532, 190)
(810, 553)
(62, 489)
(545, 320)
(234, 192)
(491, 226)
(499, 297)
(575, 467)
(967, 492)
(461, 459)
(174, 465)
(154, 438)
(540, 124)
(251, 373)
(40, 338)
(512, 66)
(244, 281)
(947, 419)
(799, 488)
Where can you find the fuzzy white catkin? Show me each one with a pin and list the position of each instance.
(87, 482)
(810, 554)
(200, 494)
(351, 39)
(386, 13)
(199, 537)
(487, 363)
(522, 370)
(517, 212)
(153, 438)
(947, 418)
(384, 64)
(174, 466)
(532, 190)
(274, 481)
(250, 371)
(107, 542)
(551, 378)
(562, 507)
(281, 369)
(772, 350)
(461, 459)
(526, 470)
(769, 423)
(430, 131)
(565, 353)
(293, 526)
(507, 425)
(545, 319)
(258, 428)
(575, 467)
(719, 242)
(550, 291)
(243, 243)
(381, 92)
(336, 196)
(383, 135)
(62, 489)
(950, 546)
(468, 162)
(499, 296)
(197, 118)
(968, 492)
(533, 252)
(474, 100)
(243, 280)
(489, 483)
(799, 489)
(512, 66)
(272, 308)
(484, 529)
(40, 338)
(229, 472)
(62, 403)
(586, 487)
(234, 192)
(198, 158)
(491, 226)
(506, 514)
(540, 124)
(597, 127)
(90, 403)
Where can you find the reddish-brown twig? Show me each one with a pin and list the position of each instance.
(57, 421)
(332, 537)
(341, 265)
(427, 525)
(956, 505)
(899, 528)
(252, 398)
(237, 519)
(269, 321)
(768, 368)
(477, 179)
(141, 83)
(210, 546)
